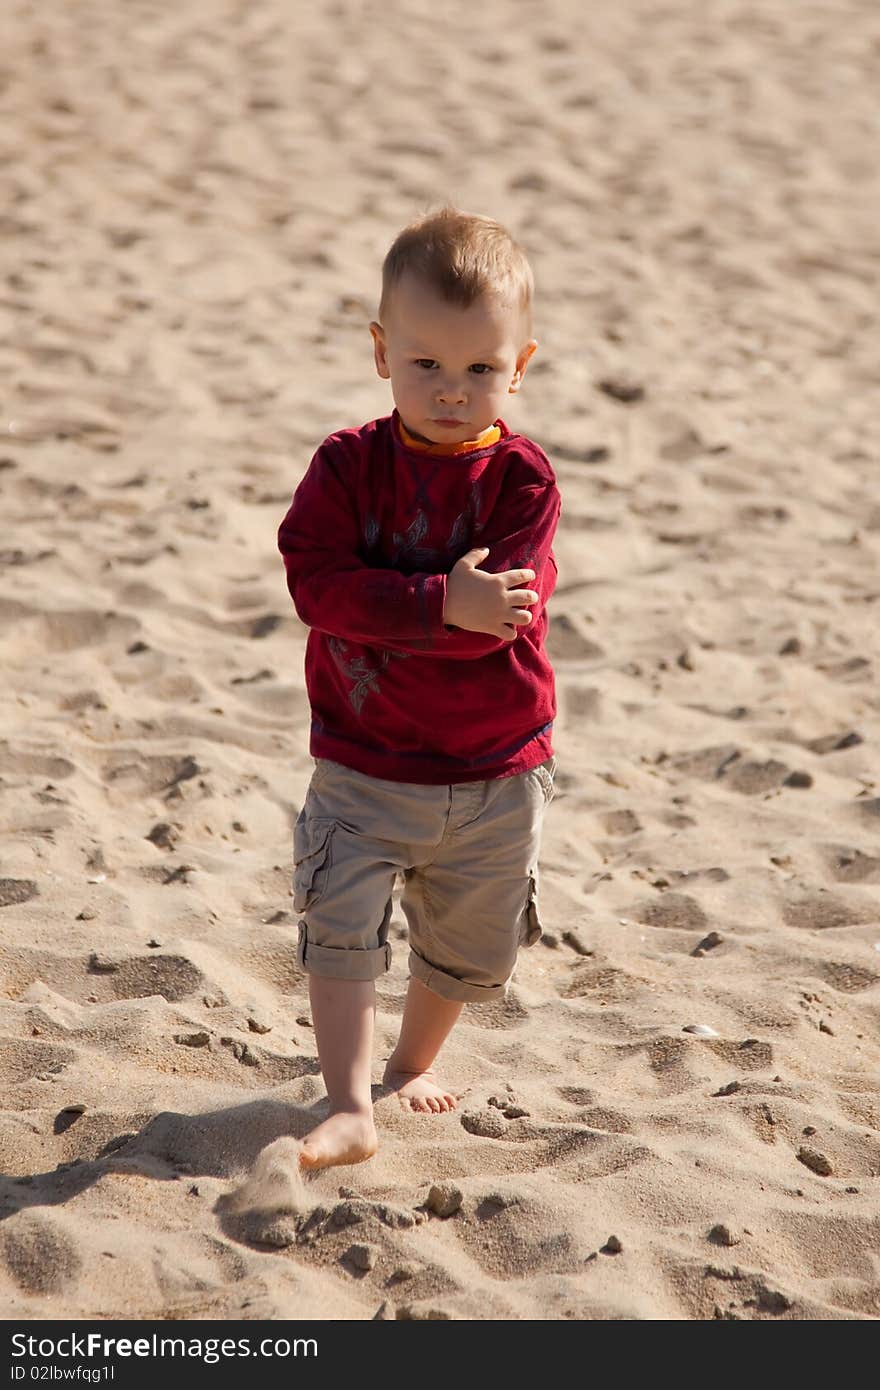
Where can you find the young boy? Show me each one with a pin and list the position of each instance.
(418, 552)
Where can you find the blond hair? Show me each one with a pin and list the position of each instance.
(463, 257)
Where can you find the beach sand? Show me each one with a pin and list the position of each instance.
(196, 200)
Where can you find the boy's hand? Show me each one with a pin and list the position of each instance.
(491, 603)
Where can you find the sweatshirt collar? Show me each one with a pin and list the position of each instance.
(485, 440)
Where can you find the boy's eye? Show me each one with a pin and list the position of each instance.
(481, 368)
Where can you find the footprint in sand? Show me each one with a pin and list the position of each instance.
(39, 1252)
(848, 979)
(16, 890)
(823, 911)
(675, 910)
(849, 865)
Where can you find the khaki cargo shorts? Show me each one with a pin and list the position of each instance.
(468, 856)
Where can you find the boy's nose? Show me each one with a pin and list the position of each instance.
(449, 393)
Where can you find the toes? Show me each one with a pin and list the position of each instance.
(431, 1104)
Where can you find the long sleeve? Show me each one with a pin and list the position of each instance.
(336, 592)
(331, 587)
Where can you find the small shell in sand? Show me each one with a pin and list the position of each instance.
(702, 1030)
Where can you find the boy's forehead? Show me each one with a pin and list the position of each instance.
(416, 312)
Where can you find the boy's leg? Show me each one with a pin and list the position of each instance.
(427, 1022)
(343, 1012)
(469, 908)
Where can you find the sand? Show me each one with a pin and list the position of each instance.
(195, 203)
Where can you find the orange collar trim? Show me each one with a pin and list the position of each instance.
(467, 446)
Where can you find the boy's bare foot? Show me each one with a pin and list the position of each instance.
(419, 1091)
(347, 1136)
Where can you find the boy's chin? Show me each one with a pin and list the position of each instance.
(447, 434)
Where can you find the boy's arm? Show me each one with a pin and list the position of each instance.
(335, 592)
(519, 535)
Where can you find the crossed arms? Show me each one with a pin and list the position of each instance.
(334, 591)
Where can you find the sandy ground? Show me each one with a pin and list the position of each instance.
(195, 202)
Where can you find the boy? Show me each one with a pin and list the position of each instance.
(418, 552)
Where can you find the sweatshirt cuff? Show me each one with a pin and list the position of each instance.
(434, 595)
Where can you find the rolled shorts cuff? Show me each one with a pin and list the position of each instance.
(450, 986)
(341, 962)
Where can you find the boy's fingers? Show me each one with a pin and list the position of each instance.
(521, 596)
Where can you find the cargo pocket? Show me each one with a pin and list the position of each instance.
(530, 923)
(312, 844)
(545, 773)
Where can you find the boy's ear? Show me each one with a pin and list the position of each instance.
(522, 363)
(380, 351)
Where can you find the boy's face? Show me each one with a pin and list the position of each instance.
(450, 368)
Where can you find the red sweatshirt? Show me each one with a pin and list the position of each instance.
(375, 526)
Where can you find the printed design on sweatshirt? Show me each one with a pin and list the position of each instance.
(365, 677)
(410, 554)
(527, 559)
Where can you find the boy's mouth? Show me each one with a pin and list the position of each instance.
(448, 421)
